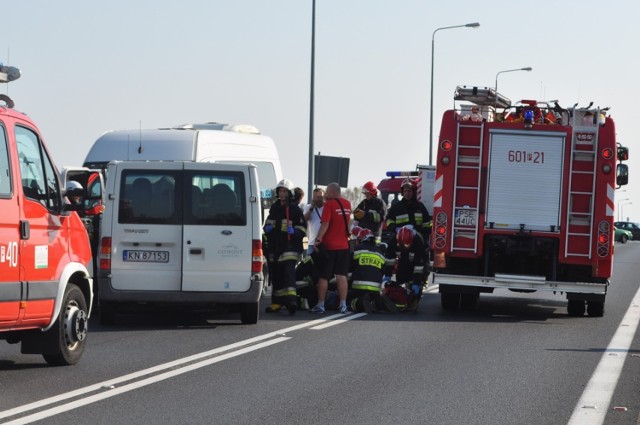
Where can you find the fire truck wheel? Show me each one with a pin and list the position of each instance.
(595, 308)
(70, 329)
(576, 308)
(249, 313)
(469, 301)
(450, 300)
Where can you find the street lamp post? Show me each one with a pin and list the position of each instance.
(528, 68)
(620, 207)
(311, 100)
(433, 38)
(622, 210)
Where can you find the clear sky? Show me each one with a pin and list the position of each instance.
(89, 67)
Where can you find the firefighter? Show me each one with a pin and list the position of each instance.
(284, 229)
(409, 210)
(412, 264)
(371, 212)
(367, 268)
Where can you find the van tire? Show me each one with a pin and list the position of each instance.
(68, 335)
(249, 313)
(107, 314)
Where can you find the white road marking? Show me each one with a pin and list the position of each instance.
(339, 319)
(138, 384)
(593, 406)
(159, 368)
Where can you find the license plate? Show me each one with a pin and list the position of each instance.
(465, 217)
(141, 256)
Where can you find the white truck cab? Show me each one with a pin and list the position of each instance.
(181, 233)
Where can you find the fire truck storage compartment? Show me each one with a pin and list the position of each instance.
(525, 180)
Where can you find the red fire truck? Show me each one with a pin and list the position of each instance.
(45, 256)
(524, 200)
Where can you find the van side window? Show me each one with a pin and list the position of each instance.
(5, 172)
(216, 198)
(149, 197)
(39, 177)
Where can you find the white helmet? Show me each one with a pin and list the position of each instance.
(287, 184)
(73, 185)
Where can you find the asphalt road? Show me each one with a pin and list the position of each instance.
(517, 359)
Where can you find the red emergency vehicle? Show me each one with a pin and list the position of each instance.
(45, 256)
(524, 200)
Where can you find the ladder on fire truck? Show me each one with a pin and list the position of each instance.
(467, 186)
(582, 183)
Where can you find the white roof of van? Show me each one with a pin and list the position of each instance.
(177, 145)
(191, 142)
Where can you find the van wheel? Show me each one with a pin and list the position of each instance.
(107, 313)
(69, 333)
(249, 313)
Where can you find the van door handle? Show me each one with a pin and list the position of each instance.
(195, 251)
(226, 232)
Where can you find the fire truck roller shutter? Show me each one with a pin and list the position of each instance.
(525, 180)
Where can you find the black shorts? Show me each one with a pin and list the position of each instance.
(334, 262)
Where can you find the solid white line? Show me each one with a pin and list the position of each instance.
(340, 318)
(95, 387)
(138, 384)
(594, 403)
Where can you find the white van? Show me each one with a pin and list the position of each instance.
(179, 232)
(209, 142)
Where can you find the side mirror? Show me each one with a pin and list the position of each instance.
(86, 197)
(622, 174)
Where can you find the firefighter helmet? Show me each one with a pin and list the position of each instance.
(355, 231)
(409, 183)
(405, 237)
(287, 184)
(365, 235)
(370, 187)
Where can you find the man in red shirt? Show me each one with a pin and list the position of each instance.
(333, 239)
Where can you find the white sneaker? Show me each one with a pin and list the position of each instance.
(344, 309)
(317, 309)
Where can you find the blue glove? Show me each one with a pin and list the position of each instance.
(268, 228)
(415, 288)
(290, 230)
(386, 279)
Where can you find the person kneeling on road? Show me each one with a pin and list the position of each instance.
(412, 263)
(367, 268)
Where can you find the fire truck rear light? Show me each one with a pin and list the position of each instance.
(445, 160)
(256, 256)
(607, 153)
(602, 239)
(105, 254)
(446, 145)
(606, 168)
(441, 230)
